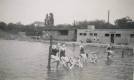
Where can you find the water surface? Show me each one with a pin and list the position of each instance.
(22, 60)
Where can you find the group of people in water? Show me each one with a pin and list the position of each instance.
(58, 55)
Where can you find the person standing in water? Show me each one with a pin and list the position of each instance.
(55, 54)
(83, 54)
(109, 52)
(64, 59)
(62, 51)
(82, 50)
(73, 44)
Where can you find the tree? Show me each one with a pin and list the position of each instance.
(3, 25)
(124, 22)
(51, 16)
(46, 19)
(49, 20)
(11, 26)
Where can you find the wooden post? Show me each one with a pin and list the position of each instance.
(49, 55)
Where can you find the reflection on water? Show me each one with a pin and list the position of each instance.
(20, 60)
(55, 75)
(108, 61)
(64, 74)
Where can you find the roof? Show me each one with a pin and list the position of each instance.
(114, 29)
(58, 28)
(107, 27)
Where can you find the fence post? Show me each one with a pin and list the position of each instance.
(49, 55)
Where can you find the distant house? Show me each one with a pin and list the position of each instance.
(38, 24)
(117, 36)
(62, 33)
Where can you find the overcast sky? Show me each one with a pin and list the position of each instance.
(65, 11)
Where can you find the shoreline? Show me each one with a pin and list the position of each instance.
(72, 43)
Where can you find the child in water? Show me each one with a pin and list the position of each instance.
(109, 52)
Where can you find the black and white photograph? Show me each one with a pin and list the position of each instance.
(66, 39)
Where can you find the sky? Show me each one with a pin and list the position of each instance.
(65, 11)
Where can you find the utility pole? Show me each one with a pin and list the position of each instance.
(108, 16)
(111, 35)
(75, 28)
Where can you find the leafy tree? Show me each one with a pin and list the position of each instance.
(3, 25)
(11, 26)
(51, 16)
(124, 22)
(46, 19)
(49, 20)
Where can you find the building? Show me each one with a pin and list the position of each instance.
(61, 33)
(38, 24)
(117, 36)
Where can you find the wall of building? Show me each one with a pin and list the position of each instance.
(80, 35)
(104, 35)
(101, 38)
(58, 36)
(69, 37)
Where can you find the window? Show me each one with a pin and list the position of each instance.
(132, 35)
(118, 35)
(91, 34)
(80, 33)
(95, 34)
(84, 34)
(107, 35)
(63, 32)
